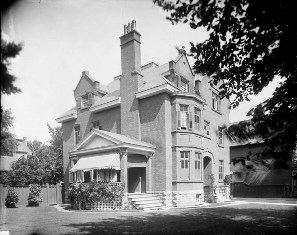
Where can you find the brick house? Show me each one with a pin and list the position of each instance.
(156, 128)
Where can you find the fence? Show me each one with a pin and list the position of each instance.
(244, 190)
(51, 194)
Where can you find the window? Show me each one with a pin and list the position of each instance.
(96, 125)
(197, 118)
(85, 101)
(221, 142)
(184, 116)
(198, 171)
(207, 127)
(197, 86)
(77, 133)
(221, 169)
(184, 86)
(216, 102)
(185, 165)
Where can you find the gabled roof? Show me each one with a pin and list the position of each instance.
(23, 148)
(111, 141)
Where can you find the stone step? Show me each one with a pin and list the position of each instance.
(154, 205)
(147, 202)
(143, 195)
(143, 199)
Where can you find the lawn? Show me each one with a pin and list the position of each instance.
(236, 219)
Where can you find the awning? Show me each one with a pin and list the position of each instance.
(103, 161)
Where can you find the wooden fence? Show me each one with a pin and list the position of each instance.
(260, 191)
(51, 194)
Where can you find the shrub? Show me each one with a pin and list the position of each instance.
(12, 198)
(34, 197)
(82, 193)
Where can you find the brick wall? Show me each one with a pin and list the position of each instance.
(154, 129)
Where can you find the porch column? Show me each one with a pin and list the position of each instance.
(149, 173)
(124, 176)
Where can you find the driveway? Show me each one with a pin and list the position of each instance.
(226, 218)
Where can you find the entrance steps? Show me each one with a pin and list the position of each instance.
(145, 201)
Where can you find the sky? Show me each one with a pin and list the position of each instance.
(62, 38)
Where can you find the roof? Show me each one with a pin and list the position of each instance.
(153, 77)
(23, 148)
(125, 139)
(116, 141)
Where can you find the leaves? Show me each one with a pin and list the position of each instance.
(8, 51)
(250, 43)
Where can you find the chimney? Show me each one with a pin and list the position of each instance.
(130, 80)
(130, 49)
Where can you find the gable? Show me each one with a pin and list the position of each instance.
(183, 67)
(84, 84)
(95, 142)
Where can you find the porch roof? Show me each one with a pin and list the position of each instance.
(98, 141)
(103, 161)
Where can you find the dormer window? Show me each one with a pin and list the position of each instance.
(85, 101)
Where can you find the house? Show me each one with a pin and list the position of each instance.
(22, 150)
(258, 176)
(156, 128)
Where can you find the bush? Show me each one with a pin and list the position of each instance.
(12, 198)
(82, 193)
(34, 197)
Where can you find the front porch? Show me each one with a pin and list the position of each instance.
(108, 157)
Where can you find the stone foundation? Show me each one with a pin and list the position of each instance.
(179, 198)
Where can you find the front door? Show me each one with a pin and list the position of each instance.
(136, 180)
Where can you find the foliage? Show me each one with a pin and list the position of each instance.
(249, 44)
(8, 142)
(228, 180)
(12, 198)
(8, 50)
(34, 197)
(82, 193)
(45, 166)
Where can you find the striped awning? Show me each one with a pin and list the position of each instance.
(102, 161)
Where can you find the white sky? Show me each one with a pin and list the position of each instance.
(62, 38)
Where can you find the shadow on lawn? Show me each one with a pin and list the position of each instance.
(198, 221)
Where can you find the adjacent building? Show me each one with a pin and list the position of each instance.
(22, 150)
(156, 128)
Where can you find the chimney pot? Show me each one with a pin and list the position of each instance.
(129, 27)
(85, 73)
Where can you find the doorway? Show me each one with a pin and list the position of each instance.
(136, 180)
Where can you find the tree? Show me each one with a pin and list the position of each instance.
(250, 43)
(8, 142)
(8, 50)
(44, 166)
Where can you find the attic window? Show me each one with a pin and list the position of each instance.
(87, 100)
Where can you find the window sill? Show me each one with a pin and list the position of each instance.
(218, 112)
(200, 133)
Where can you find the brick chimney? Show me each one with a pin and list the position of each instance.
(131, 77)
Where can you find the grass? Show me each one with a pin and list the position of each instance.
(236, 219)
